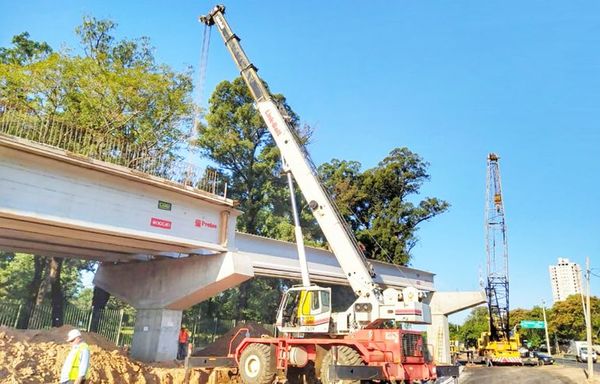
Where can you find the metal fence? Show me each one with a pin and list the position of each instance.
(110, 321)
(113, 324)
(206, 331)
(146, 156)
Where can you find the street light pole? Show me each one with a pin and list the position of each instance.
(589, 323)
(546, 327)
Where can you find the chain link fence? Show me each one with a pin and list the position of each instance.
(144, 156)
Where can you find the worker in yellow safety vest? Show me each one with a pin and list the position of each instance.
(75, 369)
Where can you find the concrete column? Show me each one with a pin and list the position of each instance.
(443, 304)
(155, 334)
(438, 334)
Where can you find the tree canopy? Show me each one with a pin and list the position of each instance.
(377, 202)
(115, 90)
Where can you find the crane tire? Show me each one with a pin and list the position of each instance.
(345, 356)
(257, 364)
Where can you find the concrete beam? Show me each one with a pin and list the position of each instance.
(448, 303)
(278, 258)
(173, 283)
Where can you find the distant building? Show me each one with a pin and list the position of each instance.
(565, 278)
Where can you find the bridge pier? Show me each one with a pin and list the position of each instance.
(442, 305)
(159, 290)
(155, 334)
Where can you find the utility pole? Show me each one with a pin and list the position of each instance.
(589, 322)
(546, 327)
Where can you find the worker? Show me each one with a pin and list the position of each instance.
(183, 342)
(75, 369)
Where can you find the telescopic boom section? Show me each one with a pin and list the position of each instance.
(335, 229)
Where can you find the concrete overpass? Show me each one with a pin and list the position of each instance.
(163, 246)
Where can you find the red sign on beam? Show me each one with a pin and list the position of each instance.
(164, 224)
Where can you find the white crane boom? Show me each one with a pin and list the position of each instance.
(332, 224)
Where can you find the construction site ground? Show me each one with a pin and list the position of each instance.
(548, 374)
(36, 357)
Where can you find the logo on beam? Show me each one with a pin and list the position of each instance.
(159, 223)
(201, 223)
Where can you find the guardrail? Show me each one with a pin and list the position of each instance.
(154, 158)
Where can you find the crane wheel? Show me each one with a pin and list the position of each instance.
(257, 364)
(345, 356)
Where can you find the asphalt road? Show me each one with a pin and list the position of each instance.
(574, 363)
(521, 375)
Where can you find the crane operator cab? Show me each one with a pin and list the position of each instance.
(305, 310)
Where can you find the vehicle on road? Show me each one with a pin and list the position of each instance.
(538, 358)
(583, 355)
(580, 350)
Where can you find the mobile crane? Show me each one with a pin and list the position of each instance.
(353, 345)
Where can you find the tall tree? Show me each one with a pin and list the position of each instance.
(377, 202)
(236, 138)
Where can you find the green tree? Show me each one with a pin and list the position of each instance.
(24, 50)
(236, 138)
(566, 318)
(476, 323)
(377, 203)
(116, 93)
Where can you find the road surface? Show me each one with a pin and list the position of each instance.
(521, 375)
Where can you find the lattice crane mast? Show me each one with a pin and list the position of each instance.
(497, 287)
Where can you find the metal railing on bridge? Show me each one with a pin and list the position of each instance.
(143, 156)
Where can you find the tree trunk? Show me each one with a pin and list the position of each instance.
(242, 303)
(99, 301)
(56, 291)
(44, 287)
(32, 290)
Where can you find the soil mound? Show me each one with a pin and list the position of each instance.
(36, 357)
(220, 347)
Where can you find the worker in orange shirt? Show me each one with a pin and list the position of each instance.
(184, 337)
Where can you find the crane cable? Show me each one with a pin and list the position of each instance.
(202, 66)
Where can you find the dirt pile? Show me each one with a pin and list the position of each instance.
(36, 356)
(220, 347)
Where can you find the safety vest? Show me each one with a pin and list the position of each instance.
(183, 336)
(74, 372)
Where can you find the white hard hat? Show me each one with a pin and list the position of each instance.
(73, 334)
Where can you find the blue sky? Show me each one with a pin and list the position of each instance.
(451, 80)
